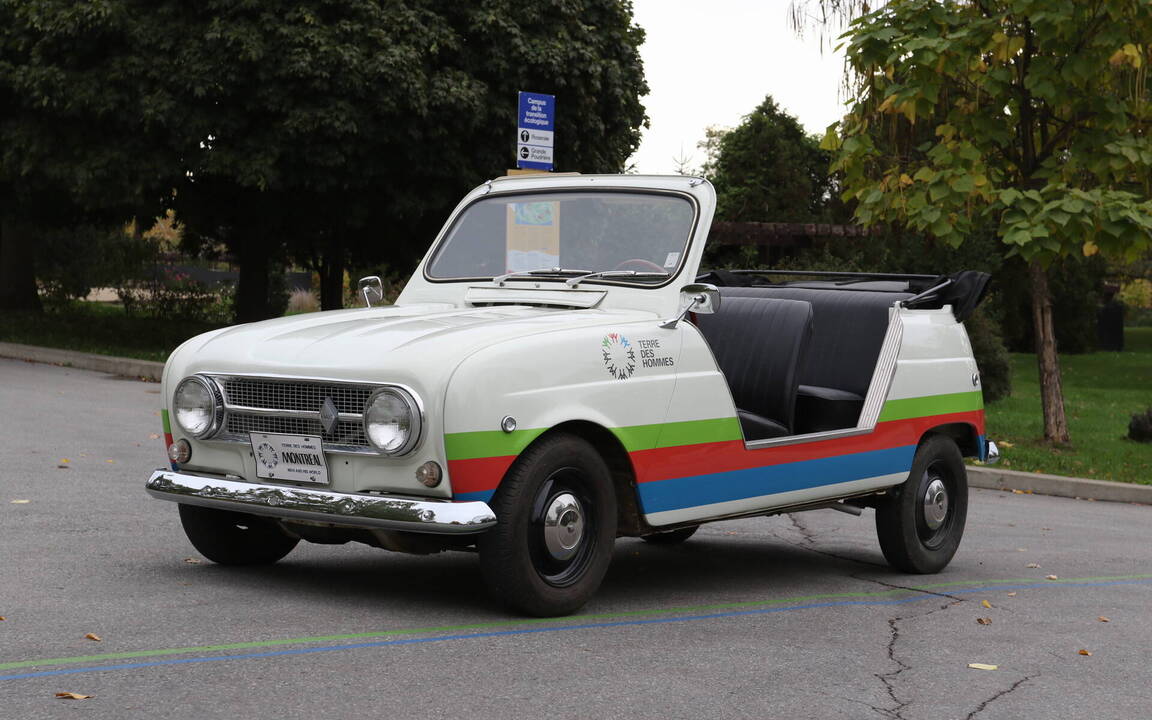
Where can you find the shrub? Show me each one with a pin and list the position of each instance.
(168, 295)
(1140, 428)
(991, 355)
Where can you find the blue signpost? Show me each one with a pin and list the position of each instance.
(535, 127)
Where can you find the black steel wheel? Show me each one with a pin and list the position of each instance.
(231, 538)
(556, 525)
(920, 525)
(671, 537)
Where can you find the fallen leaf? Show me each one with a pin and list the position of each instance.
(2, 618)
(65, 460)
(92, 636)
(1021, 549)
(72, 696)
(985, 603)
(984, 621)
(1005, 443)
(1032, 565)
(1052, 577)
(153, 436)
(192, 561)
(20, 502)
(1011, 594)
(1018, 492)
(982, 666)
(109, 461)
(1101, 619)
(1085, 652)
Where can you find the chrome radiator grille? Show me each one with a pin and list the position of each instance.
(292, 407)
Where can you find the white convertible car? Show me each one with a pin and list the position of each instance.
(555, 375)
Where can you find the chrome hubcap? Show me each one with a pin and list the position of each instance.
(563, 526)
(935, 504)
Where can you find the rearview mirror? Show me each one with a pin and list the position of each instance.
(371, 288)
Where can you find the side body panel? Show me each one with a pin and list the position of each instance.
(678, 423)
(620, 376)
(717, 474)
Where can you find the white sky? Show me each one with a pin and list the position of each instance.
(711, 63)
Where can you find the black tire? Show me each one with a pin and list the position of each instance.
(231, 538)
(920, 529)
(553, 568)
(671, 537)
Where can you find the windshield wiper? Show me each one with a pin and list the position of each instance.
(499, 280)
(573, 282)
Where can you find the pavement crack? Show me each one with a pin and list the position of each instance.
(910, 588)
(984, 705)
(809, 543)
(889, 678)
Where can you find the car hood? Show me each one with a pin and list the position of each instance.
(361, 344)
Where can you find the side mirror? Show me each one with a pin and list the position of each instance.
(371, 288)
(697, 297)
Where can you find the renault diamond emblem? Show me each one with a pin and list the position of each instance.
(329, 415)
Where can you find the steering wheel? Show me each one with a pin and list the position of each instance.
(640, 264)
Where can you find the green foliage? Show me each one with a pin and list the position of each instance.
(769, 170)
(990, 354)
(328, 132)
(1030, 116)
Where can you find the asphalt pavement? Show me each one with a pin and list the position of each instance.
(786, 617)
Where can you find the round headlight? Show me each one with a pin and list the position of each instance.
(194, 405)
(392, 421)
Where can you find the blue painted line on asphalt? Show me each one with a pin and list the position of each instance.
(918, 596)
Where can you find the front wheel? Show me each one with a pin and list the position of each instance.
(556, 513)
(920, 525)
(232, 538)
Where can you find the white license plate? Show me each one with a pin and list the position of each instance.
(294, 458)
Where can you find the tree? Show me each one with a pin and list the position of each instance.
(344, 132)
(331, 132)
(768, 169)
(75, 147)
(1027, 116)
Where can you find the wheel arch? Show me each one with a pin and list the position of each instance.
(965, 435)
(630, 521)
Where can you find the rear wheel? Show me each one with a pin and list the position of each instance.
(231, 538)
(920, 525)
(556, 512)
(671, 537)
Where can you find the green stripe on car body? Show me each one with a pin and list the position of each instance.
(165, 421)
(906, 408)
(497, 443)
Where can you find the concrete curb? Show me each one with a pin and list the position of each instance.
(126, 367)
(995, 479)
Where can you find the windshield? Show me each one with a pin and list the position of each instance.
(577, 232)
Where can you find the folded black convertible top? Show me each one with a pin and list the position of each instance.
(963, 290)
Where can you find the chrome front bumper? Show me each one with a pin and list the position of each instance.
(376, 512)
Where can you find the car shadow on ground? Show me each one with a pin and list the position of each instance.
(709, 568)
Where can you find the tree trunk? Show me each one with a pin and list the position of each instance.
(252, 284)
(1051, 392)
(17, 269)
(332, 280)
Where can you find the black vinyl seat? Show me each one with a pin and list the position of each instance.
(850, 328)
(759, 344)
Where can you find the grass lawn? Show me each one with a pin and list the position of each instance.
(1101, 392)
(101, 328)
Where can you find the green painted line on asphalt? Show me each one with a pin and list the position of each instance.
(906, 408)
(688, 609)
